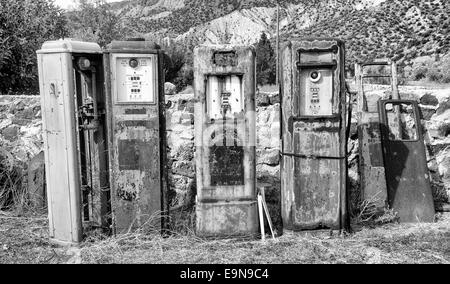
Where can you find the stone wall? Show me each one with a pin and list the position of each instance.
(20, 134)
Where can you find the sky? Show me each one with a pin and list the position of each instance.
(67, 4)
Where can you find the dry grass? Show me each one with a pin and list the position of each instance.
(25, 240)
(392, 243)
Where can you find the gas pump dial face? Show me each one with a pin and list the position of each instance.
(316, 92)
(135, 80)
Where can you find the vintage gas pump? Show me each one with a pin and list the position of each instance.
(137, 134)
(314, 142)
(225, 141)
(76, 161)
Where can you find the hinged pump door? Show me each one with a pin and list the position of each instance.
(314, 143)
(407, 175)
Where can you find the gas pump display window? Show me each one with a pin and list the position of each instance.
(316, 92)
(224, 96)
(135, 79)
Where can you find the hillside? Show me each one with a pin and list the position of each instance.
(398, 29)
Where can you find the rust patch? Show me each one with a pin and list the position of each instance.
(136, 111)
(226, 165)
(225, 58)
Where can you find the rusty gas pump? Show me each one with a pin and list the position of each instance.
(314, 142)
(225, 141)
(74, 124)
(137, 134)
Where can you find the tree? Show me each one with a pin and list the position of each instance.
(95, 21)
(265, 61)
(24, 26)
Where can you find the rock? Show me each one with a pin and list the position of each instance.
(274, 99)
(269, 157)
(36, 181)
(443, 161)
(174, 118)
(184, 152)
(183, 168)
(443, 107)
(429, 100)
(426, 112)
(187, 118)
(11, 132)
(183, 190)
(262, 99)
(17, 106)
(170, 89)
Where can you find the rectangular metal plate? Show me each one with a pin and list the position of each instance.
(226, 165)
(138, 84)
(316, 97)
(228, 58)
(134, 155)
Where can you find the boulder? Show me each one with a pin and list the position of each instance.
(170, 89)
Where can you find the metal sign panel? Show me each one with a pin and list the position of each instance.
(135, 85)
(225, 141)
(407, 175)
(314, 163)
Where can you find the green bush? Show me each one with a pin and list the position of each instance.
(24, 26)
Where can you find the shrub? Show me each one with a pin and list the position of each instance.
(24, 26)
(12, 193)
(95, 21)
(265, 62)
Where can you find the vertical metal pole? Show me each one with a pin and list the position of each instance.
(278, 45)
(395, 92)
(359, 85)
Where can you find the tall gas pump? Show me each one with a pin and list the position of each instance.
(314, 142)
(137, 134)
(75, 146)
(225, 130)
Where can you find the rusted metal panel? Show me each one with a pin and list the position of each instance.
(407, 174)
(225, 140)
(227, 219)
(372, 171)
(313, 166)
(135, 86)
(371, 161)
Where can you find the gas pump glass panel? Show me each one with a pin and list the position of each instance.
(225, 97)
(401, 120)
(136, 78)
(316, 92)
(405, 161)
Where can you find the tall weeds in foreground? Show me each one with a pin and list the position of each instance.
(367, 213)
(98, 248)
(12, 193)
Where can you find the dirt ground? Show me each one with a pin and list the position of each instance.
(25, 240)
